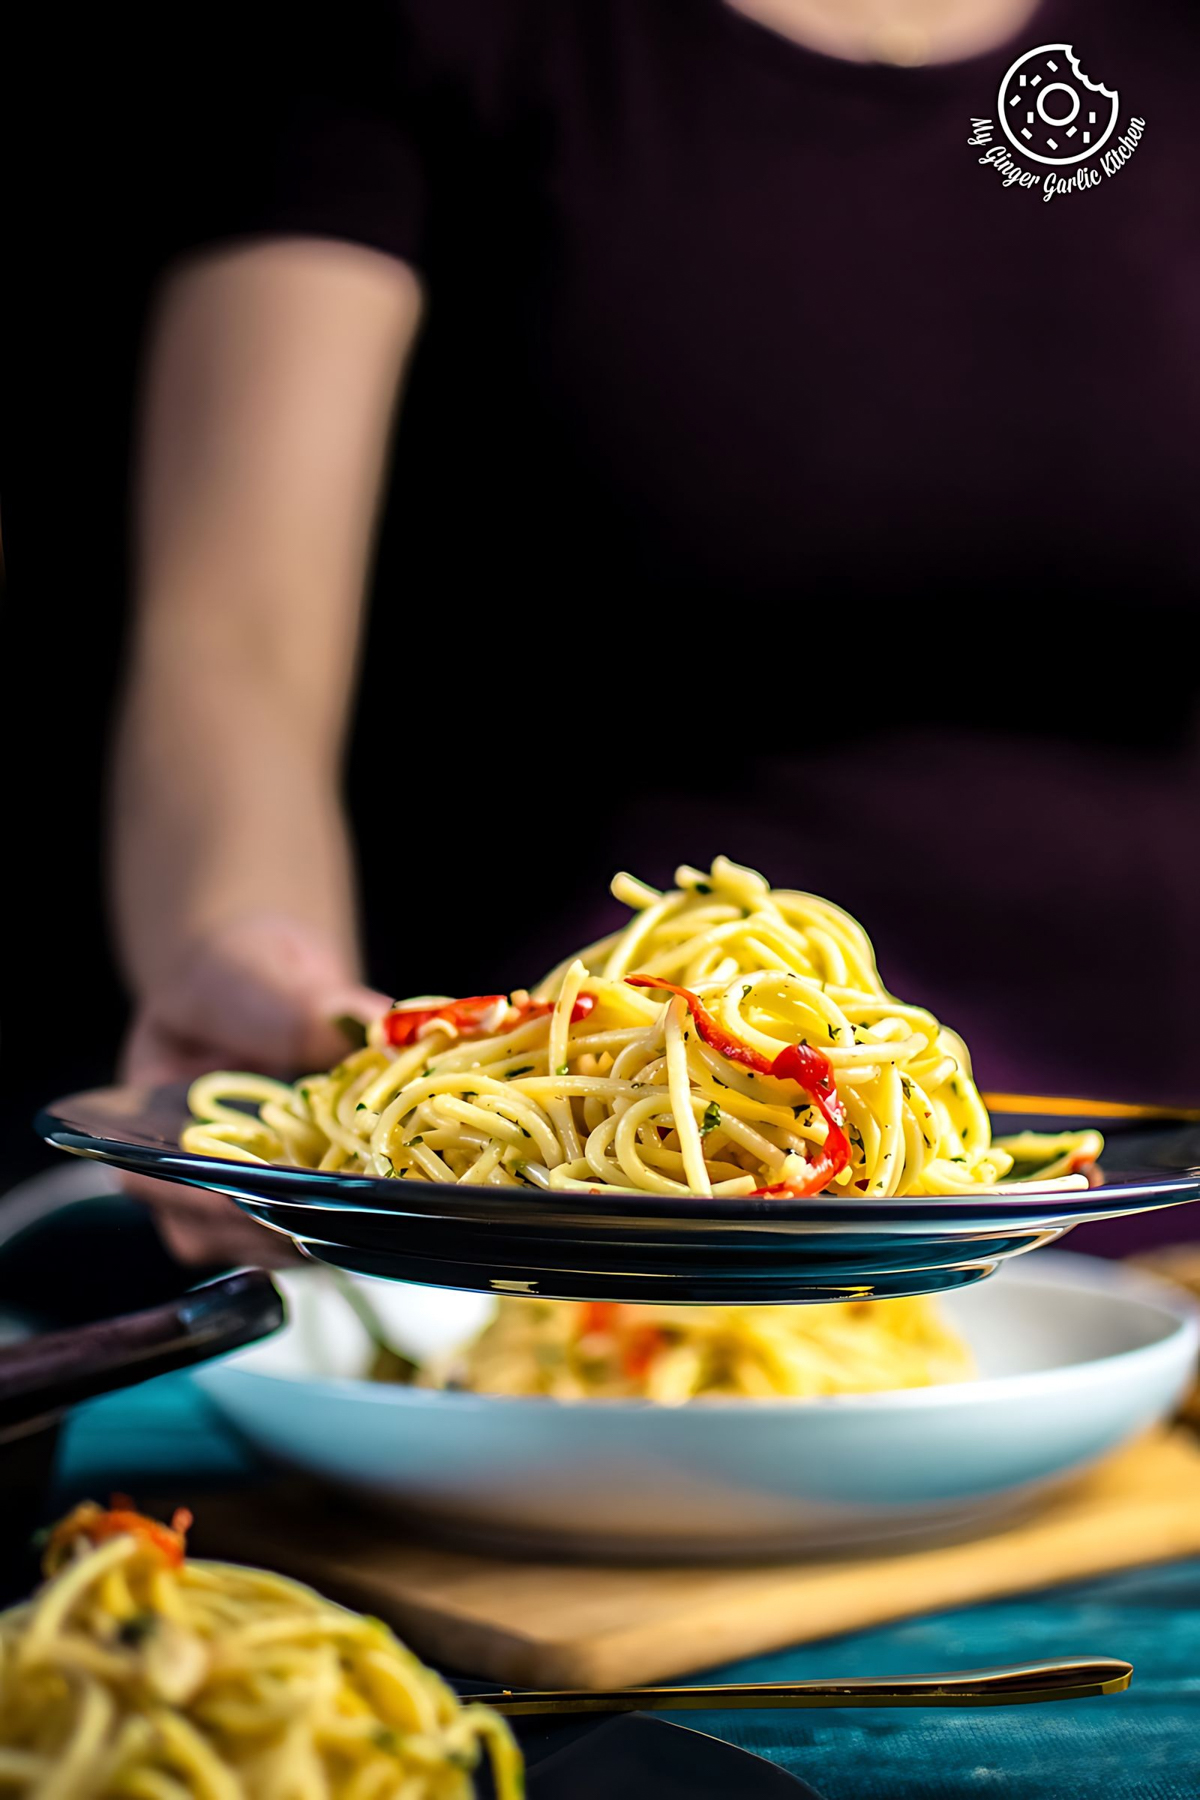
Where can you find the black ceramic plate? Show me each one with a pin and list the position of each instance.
(643, 1247)
(639, 1758)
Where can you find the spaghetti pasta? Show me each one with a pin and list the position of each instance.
(569, 1350)
(732, 1039)
(137, 1673)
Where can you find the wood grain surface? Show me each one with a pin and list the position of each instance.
(554, 1624)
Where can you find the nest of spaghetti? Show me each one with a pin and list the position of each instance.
(733, 1039)
(139, 1673)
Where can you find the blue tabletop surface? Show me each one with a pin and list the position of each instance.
(1142, 1745)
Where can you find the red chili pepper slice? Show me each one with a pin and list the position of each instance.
(98, 1525)
(639, 1344)
(810, 1069)
(714, 1035)
(641, 1347)
(599, 1315)
(467, 1016)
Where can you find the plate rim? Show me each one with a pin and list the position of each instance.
(1140, 1191)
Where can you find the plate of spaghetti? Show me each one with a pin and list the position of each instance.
(680, 1432)
(719, 1101)
(139, 1671)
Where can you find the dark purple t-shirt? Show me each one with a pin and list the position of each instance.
(792, 480)
(760, 319)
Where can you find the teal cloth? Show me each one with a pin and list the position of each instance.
(1142, 1745)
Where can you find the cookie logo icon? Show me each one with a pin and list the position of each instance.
(1050, 111)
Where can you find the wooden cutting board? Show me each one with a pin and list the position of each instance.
(553, 1624)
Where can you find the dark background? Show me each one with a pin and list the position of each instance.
(75, 283)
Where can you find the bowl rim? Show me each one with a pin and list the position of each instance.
(1133, 1286)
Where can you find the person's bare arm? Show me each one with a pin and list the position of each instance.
(271, 383)
(272, 378)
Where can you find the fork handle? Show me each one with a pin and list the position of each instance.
(1017, 1684)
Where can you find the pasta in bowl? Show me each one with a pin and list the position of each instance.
(732, 1040)
(596, 1350)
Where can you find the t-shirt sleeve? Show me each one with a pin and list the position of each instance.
(308, 127)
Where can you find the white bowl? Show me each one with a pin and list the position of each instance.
(1076, 1355)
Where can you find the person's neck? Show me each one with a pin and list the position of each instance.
(908, 32)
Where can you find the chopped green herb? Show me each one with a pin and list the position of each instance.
(419, 1139)
(393, 1365)
(354, 1029)
(712, 1118)
(525, 1069)
(563, 1069)
(703, 887)
(136, 1630)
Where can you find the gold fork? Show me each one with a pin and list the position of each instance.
(1019, 1684)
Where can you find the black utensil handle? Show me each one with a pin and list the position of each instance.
(43, 1376)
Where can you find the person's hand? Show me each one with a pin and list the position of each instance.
(263, 994)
